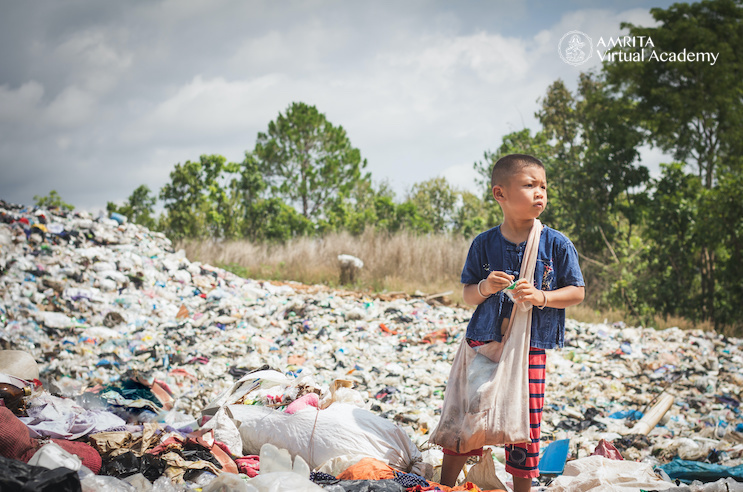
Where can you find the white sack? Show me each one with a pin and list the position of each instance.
(597, 473)
(225, 431)
(321, 435)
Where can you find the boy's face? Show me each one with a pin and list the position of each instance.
(525, 194)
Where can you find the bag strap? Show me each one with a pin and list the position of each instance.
(528, 266)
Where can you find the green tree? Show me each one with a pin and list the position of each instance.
(593, 171)
(196, 203)
(277, 221)
(307, 160)
(52, 200)
(470, 216)
(408, 218)
(670, 281)
(358, 209)
(138, 208)
(693, 110)
(435, 200)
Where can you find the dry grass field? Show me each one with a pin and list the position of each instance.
(392, 263)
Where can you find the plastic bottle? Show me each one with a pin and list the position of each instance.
(13, 396)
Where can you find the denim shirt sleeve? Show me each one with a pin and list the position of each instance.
(472, 272)
(557, 267)
(481, 259)
(567, 265)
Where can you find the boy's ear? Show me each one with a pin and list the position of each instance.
(498, 193)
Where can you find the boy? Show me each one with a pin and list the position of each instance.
(519, 186)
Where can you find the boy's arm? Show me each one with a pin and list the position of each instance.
(475, 294)
(567, 296)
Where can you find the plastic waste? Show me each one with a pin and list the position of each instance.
(483, 474)
(599, 473)
(282, 482)
(553, 459)
(163, 484)
(228, 482)
(92, 300)
(687, 471)
(51, 455)
(97, 483)
(17, 475)
(273, 460)
(347, 431)
(139, 482)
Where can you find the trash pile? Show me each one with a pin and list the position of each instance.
(176, 372)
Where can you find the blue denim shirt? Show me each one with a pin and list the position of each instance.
(557, 266)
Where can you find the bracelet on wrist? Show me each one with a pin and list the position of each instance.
(480, 291)
(544, 304)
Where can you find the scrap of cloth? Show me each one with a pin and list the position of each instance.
(51, 416)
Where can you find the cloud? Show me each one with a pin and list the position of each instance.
(206, 108)
(22, 104)
(422, 89)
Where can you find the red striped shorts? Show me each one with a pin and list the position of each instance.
(522, 460)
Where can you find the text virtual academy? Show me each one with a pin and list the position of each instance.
(648, 52)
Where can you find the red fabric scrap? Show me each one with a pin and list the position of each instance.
(607, 450)
(249, 465)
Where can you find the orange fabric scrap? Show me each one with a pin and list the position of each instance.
(296, 360)
(182, 312)
(374, 469)
(387, 330)
(438, 336)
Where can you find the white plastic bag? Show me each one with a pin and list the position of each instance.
(596, 473)
(319, 436)
(52, 456)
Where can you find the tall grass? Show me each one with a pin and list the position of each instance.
(402, 262)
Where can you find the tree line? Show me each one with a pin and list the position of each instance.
(670, 244)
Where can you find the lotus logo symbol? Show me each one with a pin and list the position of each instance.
(575, 48)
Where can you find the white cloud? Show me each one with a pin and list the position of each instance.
(22, 104)
(463, 177)
(71, 108)
(205, 108)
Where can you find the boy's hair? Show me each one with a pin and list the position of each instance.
(511, 164)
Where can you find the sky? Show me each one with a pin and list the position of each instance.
(98, 98)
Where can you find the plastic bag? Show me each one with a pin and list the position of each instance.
(483, 474)
(52, 456)
(596, 473)
(16, 475)
(282, 482)
(322, 435)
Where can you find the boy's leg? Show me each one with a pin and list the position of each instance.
(521, 484)
(452, 465)
(522, 460)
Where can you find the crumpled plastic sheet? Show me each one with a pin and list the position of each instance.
(95, 301)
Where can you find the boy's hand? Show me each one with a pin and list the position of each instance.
(496, 282)
(526, 292)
